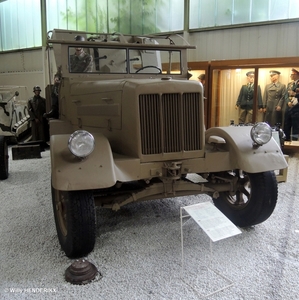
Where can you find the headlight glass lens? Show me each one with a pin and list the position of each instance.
(81, 143)
(261, 133)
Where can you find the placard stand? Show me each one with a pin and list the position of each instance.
(217, 227)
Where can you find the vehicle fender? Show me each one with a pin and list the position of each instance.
(71, 173)
(243, 154)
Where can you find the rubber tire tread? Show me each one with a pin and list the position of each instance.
(263, 199)
(4, 163)
(81, 223)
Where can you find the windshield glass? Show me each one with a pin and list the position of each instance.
(6, 95)
(123, 61)
(155, 61)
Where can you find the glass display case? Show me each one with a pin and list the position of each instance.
(232, 96)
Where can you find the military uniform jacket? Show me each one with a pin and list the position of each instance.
(36, 107)
(295, 88)
(288, 98)
(81, 63)
(245, 99)
(274, 96)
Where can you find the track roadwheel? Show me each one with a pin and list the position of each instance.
(3, 158)
(254, 200)
(75, 220)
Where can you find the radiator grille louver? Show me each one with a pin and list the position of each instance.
(169, 123)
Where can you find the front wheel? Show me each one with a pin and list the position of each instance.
(3, 158)
(75, 220)
(254, 200)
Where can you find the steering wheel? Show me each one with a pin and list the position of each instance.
(146, 67)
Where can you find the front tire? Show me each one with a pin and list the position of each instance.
(75, 220)
(253, 202)
(3, 158)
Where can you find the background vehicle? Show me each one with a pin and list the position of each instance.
(14, 121)
(132, 129)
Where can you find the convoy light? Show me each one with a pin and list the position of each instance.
(81, 143)
(261, 133)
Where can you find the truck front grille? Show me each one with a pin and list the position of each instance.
(169, 122)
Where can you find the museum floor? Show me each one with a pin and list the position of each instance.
(138, 249)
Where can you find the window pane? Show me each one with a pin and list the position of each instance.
(124, 16)
(54, 15)
(101, 16)
(241, 12)
(153, 61)
(149, 17)
(134, 16)
(97, 60)
(82, 16)
(70, 14)
(224, 12)
(77, 15)
(293, 9)
(279, 10)
(202, 13)
(194, 14)
(260, 11)
(176, 15)
(20, 25)
(127, 17)
(136, 24)
(212, 13)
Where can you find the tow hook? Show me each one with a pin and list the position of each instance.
(172, 170)
(215, 194)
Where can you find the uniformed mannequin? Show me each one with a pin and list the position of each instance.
(274, 99)
(54, 112)
(202, 78)
(80, 61)
(291, 124)
(36, 108)
(245, 99)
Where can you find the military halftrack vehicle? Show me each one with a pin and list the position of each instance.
(14, 121)
(131, 128)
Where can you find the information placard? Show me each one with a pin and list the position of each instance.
(213, 222)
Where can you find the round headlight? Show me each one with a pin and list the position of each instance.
(261, 133)
(81, 143)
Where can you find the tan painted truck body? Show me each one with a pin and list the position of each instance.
(147, 121)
